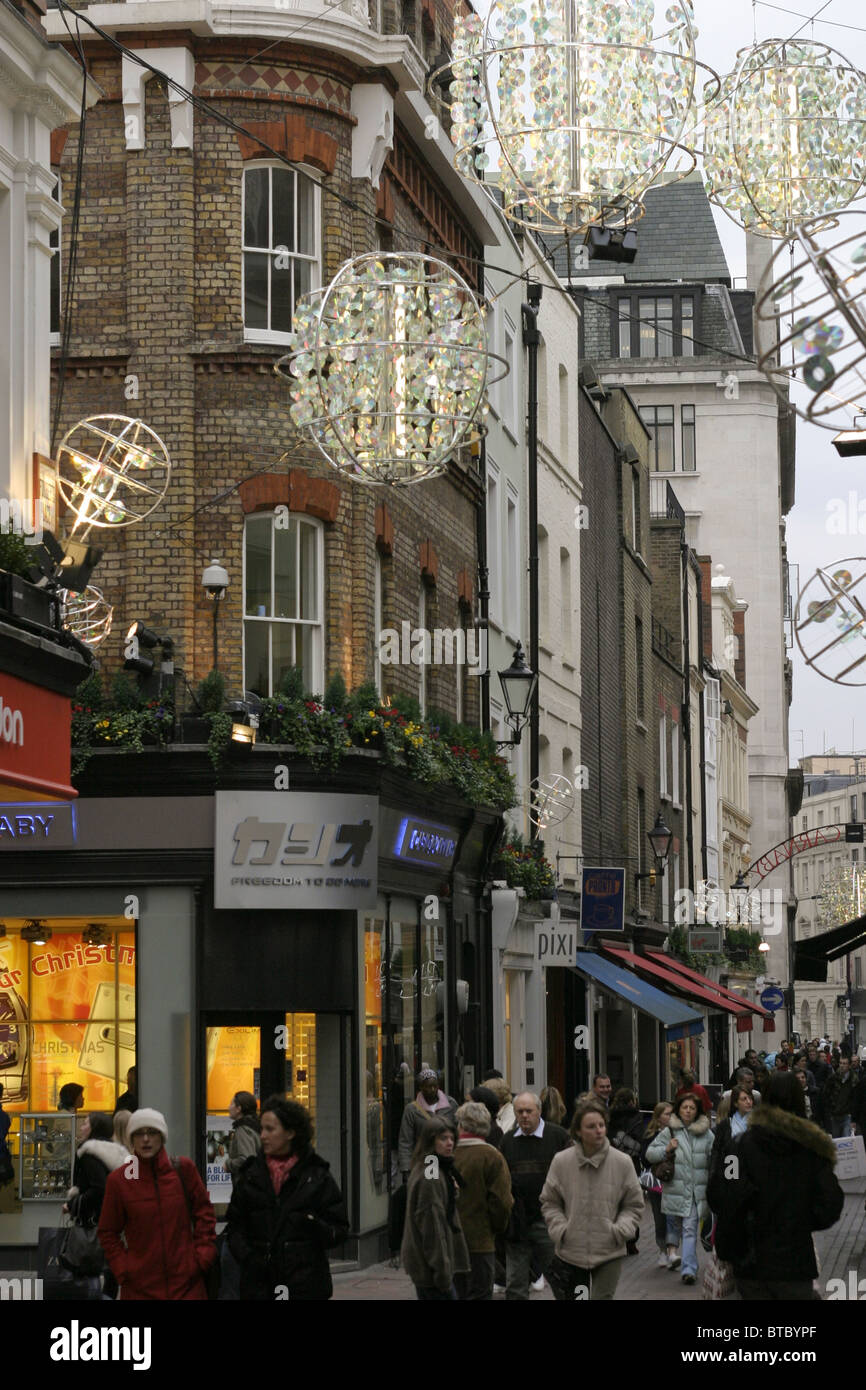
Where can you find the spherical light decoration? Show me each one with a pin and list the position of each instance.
(389, 367)
(813, 300)
(114, 471)
(786, 140)
(830, 622)
(568, 110)
(549, 800)
(88, 616)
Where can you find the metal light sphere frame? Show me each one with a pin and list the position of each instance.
(113, 471)
(570, 109)
(549, 800)
(389, 367)
(814, 300)
(87, 615)
(786, 140)
(830, 621)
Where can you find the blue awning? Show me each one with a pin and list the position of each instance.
(679, 1020)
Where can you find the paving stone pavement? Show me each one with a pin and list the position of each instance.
(841, 1249)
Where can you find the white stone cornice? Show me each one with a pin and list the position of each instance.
(42, 78)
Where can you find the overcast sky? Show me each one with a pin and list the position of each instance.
(823, 715)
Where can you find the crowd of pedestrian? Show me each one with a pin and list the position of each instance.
(496, 1194)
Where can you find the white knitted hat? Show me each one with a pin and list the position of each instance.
(147, 1119)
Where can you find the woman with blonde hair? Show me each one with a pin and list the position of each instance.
(120, 1135)
(552, 1106)
(500, 1088)
(652, 1187)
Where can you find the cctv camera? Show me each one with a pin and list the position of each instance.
(215, 580)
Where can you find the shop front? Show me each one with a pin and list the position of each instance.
(322, 944)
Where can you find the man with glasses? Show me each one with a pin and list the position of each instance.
(529, 1150)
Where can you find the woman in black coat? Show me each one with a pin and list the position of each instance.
(97, 1155)
(286, 1211)
(784, 1188)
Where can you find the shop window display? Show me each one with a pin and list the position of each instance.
(67, 1014)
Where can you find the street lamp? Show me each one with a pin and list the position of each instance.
(660, 842)
(518, 687)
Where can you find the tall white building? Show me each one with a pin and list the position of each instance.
(671, 328)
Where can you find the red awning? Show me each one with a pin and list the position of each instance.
(708, 995)
(671, 964)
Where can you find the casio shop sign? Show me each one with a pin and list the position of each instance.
(283, 850)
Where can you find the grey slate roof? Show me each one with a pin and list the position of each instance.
(677, 240)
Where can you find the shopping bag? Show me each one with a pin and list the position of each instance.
(81, 1252)
(59, 1284)
(718, 1279)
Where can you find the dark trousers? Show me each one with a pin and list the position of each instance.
(659, 1219)
(477, 1285)
(600, 1282)
(762, 1290)
(432, 1295)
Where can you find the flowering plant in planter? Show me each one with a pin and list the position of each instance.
(118, 718)
(526, 867)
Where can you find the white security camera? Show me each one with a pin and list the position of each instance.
(215, 580)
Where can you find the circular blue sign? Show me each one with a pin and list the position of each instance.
(772, 998)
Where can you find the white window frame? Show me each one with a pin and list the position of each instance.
(511, 617)
(55, 240)
(494, 543)
(676, 789)
(663, 758)
(378, 619)
(318, 673)
(510, 385)
(268, 335)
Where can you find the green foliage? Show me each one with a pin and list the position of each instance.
(15, 556)
(125, 694)
(292, 685)
(324, 733)
(526, 867)
(336, 695)
(211, 693)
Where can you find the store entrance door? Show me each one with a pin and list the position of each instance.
(302, 1056)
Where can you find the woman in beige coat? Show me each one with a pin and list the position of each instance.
(593, 1204)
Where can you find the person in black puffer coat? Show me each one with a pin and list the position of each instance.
(286, 1212)
(784, 1190)
(625, 1131)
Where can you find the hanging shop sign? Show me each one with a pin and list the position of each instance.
(283, 850)
(602, 899)
(34, 737)
(556, 943)
(413, 840)
(26, 825)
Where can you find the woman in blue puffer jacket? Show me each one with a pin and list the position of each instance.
(687, 1140)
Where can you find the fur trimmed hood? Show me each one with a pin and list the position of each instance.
(697, 1127)
(781, 1124)
(111, 1154)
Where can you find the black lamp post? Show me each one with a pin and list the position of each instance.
(518, 688)
(660, 842)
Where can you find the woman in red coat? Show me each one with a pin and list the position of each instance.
(165, 1215)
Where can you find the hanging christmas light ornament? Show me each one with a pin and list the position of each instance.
(114, 471)
(389, 367)
(812, 311)
(785, 141)
(830, 622)
(567, 111)
(549, 800)
(87, 615)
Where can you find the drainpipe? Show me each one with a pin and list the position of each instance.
(531, 340)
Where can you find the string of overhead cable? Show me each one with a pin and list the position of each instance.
(833, 23)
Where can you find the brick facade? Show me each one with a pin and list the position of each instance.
(159, 299)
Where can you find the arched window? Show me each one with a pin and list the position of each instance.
(283, 600)
(281, 247)
(805, 1021)
(821, 1019)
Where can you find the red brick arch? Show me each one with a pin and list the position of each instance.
(296, 490)
(293, 137)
